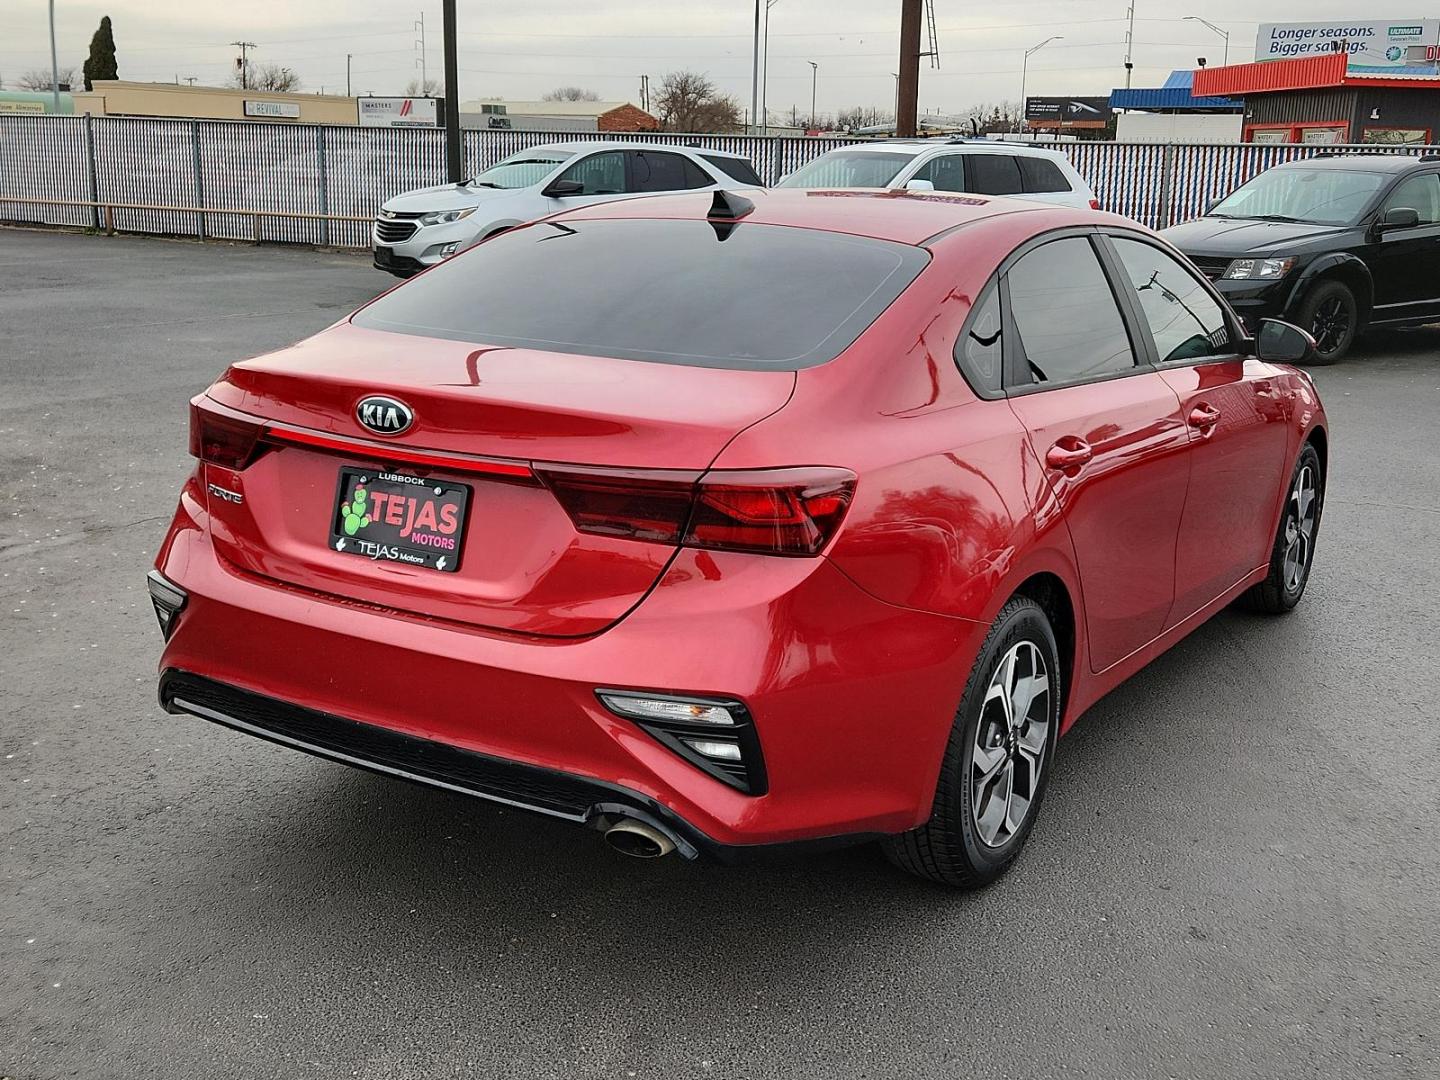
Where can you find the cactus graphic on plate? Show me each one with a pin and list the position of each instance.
(352, 513)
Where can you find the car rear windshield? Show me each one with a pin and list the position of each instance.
(736, 168)
(707, 294)
(847, 169)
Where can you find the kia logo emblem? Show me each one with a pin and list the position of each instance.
(384, 415)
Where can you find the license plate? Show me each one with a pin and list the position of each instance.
(398, 518)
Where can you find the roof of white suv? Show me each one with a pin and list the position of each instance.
(920, 146)
(576, 146)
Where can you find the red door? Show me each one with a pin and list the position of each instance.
(1109, 435)
(1235, 415)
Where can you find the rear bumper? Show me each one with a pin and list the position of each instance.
(852, 698)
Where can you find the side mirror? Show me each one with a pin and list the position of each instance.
(919, 185)
(558, 189)
(1400, 217)
(1283, 343)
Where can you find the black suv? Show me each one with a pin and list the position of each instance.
(1333, 243)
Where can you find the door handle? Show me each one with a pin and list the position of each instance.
(1069, 454)
(1204, 416)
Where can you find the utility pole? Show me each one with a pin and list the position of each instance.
(755, 71)
(645, 92)
(347, 75)
(54, 63)
(908, 92)
(814, 78)
(244, 47)
(1129, 45)
(454, 150)
(420, 44)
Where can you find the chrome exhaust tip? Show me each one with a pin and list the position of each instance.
(638, 840)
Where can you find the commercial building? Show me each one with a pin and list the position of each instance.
(1172, 113)
(1324, 99)
(34, 103)
(121, 98)
(556, 115)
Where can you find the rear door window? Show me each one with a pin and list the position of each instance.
(993, 174)
(653, 170)
(736, 295)
(1069, 324)
(736, 168)
(601, 174)
(1039, 175)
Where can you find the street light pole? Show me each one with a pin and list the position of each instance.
(454, 149)
(1024, 71)
(1223, 33)
(755, 73)
(814, 78)
(54, 63)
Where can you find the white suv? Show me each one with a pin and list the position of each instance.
(422, 227)
(976, 166)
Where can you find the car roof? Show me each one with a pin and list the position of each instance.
(908, 217)
(922, 146)
(575, 146)
(1360, 162)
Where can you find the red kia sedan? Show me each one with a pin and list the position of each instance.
(727, 526)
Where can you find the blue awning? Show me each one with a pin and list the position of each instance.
(1174, 96)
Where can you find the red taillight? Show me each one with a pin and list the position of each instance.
(767, 511)
(1094, 204)
(222, 440)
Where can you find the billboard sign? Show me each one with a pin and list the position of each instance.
(1077, 111)
(1373, 46)
(398, 112)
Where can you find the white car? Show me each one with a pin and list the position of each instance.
(422, 227)
(975, 166)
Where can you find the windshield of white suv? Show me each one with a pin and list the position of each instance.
(847, 169)
(1311, 196)
(520, 170)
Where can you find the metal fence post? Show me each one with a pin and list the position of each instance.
(90, 162)
(324, 184)
(1167, 186)
(199, 176)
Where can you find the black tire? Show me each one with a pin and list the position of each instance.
(1331, 314)
(951, 848)
(1282, 589)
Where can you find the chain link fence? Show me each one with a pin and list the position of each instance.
(313, 184)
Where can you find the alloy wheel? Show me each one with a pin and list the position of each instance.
(1331, 324)
(1010, 742)
(1300, 520)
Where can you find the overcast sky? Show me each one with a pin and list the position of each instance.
(518, 49)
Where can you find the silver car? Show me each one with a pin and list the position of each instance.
(420, 228)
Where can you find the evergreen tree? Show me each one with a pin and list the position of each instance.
(100, 64)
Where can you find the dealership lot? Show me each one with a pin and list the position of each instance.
(1235, 875)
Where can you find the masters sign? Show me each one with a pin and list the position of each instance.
(398, 112)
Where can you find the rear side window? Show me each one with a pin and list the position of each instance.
(737, 169)
(1040, 175)
(1065, 313)
(979, 349)
(993, 174)
(733, 295)
(659, 171)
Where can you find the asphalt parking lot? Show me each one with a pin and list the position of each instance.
(1236, 873)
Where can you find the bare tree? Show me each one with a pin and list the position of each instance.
(424, 88)
(688, 101)
(39, 78)
(862, 116)
(571, 93)
(271, 77)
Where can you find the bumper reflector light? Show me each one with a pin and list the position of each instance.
(715, 735)
(168, 600)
